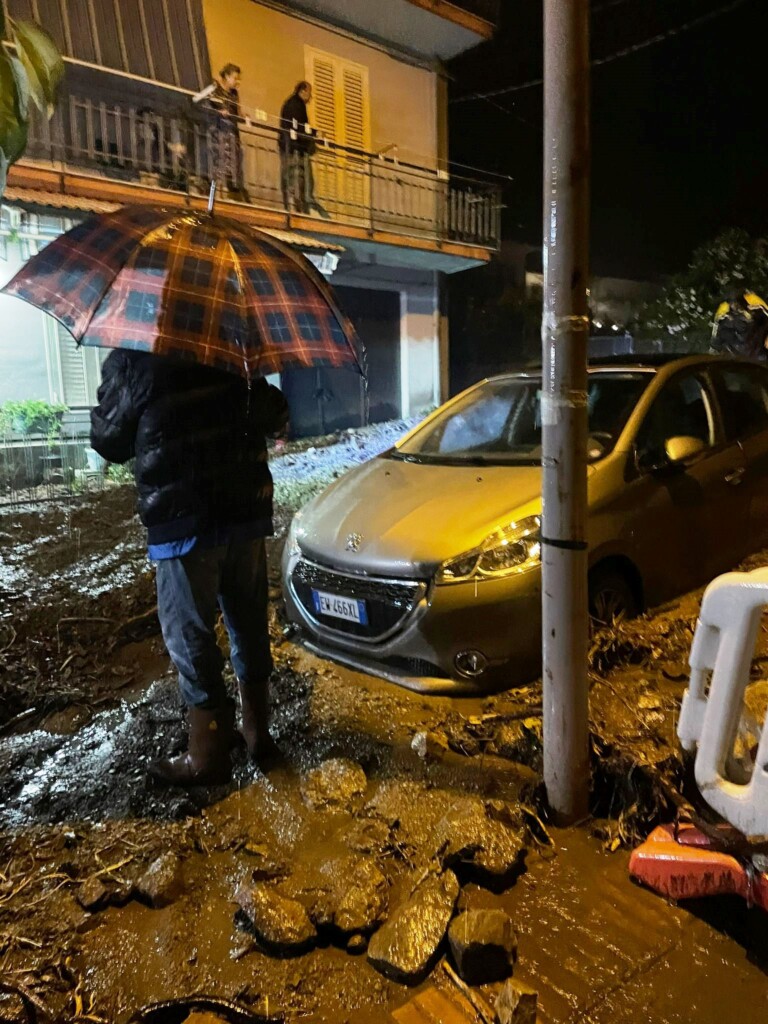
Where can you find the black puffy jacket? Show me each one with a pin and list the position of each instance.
(199, 439)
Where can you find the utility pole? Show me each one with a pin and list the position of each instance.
(564, 332)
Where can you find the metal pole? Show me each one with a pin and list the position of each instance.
(564, 332)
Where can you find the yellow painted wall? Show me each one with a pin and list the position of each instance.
(269, 47)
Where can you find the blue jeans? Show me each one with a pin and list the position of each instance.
(190, 590)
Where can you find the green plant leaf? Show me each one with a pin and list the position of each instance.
(42, 62)
(14, 103)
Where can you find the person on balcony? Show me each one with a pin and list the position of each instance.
(297, 147)
(223, 99)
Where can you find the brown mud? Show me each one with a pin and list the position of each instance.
(86, 697)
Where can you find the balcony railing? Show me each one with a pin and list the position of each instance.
(182, 154)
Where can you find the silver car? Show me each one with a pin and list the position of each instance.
(423, 565)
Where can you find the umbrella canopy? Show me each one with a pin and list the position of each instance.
(193, 286)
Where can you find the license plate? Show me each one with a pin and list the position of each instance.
(347, 608)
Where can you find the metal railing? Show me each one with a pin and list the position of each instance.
(34, 468)
(181, 152)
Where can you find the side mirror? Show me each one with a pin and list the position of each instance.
(683, 449)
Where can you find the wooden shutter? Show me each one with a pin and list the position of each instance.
(340, 112)
(323, 117)
(354, 106)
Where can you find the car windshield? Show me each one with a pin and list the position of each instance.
(500, 421)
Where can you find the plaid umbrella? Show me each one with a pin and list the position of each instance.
(190, 285)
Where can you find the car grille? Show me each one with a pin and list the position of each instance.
(417, 667)
(387, 601)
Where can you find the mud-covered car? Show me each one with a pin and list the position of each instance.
(423, 565)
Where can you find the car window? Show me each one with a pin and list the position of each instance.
(682, 409)
(478, 425)
(743, 395)
(500, 421)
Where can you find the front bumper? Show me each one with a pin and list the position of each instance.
(417, 644)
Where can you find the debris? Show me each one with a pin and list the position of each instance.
(92, 894)
(516, 1003)
(434, 1004)
(163, 882)
(367, 835)
(347, 892)
(338, 784)
(357, 944)
(429, 745)
(280, 923)
(405, 946)
(484, 945)
(475, 999)
(361, 898)
(477, 834)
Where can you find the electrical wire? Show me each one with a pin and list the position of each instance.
(660, 37)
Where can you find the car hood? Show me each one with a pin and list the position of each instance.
(405, 518)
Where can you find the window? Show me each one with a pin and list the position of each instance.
(74, 373)
(340, 111)
(682, 409)
(500, 421)
(743, 395)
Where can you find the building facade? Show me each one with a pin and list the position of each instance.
(396, 219)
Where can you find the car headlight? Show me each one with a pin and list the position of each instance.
(292, 540)
(510, 550)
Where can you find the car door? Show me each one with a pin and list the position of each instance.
(742, 393)
(677, 511)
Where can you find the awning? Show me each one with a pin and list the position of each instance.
(163, 40)
(60, 201)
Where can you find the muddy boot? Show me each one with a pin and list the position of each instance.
(207, 762)
(254, 705)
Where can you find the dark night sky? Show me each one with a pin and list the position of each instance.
(680, 129)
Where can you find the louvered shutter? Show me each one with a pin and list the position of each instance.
(354, 106)
(339, 111)
(80, 371)
(323, 115)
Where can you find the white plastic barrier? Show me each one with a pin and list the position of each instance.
(721, 658)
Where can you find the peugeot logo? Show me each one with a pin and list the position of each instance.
(354, 540)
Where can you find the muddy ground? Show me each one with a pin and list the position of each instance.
(86, 697)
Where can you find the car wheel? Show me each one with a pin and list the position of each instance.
(610, 597)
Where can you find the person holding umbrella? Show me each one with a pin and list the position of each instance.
(198, 437)
(200, 310)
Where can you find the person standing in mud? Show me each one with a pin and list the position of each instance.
(198, 437)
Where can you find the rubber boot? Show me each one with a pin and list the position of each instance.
(254, 708)
(207, 762)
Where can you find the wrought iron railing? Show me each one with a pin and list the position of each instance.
(181, 152)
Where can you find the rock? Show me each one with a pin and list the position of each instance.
(346, 891)
(405, 946)
(280, 923)
(484, 945)
(429, 746)
(162, 883)
(482, 835)
(338, 785)
(357, 944)
(92, 894)
(367, 835)
(361, 899)
(516, 1003)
